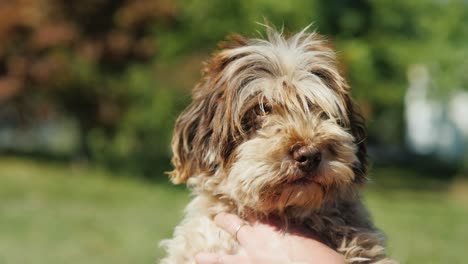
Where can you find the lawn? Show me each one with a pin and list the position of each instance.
(61, 214)
(56, 213)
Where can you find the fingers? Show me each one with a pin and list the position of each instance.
(211, 258)
(234, 226)
(250, 237)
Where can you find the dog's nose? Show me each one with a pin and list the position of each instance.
(307, 159)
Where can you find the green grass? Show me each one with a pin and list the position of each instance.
(53, 213)
(426, 222)
(60, 214)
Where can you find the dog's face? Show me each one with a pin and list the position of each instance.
(271, 126)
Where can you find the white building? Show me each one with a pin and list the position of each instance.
(433, 125)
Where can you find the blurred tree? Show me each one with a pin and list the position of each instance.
(380, 40)
(66, 55)
(118, 67)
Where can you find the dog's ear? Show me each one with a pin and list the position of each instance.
(204, 133)
(202, 138)
(355, 122)
(187, 128)
(358, 130)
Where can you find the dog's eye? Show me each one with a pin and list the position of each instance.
(262, 109)
(340, 122)
(323, 75)
(310, 105)
(324, 116)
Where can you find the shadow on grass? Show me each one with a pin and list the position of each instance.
(395, 170)
(417, 175)
(156, 175)
(398, 168)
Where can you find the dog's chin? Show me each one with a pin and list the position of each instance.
(301, 192)
(299, 178)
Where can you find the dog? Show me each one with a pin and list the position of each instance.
(273, 132)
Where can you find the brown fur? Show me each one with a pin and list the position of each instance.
(258, 101)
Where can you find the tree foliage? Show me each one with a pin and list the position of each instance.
(118, 68)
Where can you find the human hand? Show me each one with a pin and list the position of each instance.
(265, 244)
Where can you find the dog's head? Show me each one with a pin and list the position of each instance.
(271, 126)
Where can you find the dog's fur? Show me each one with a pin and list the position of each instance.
(259, 102)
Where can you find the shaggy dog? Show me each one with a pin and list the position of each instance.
(272, 132)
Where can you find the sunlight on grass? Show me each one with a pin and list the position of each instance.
(53, 213)
(422, 226)
(58, 214)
